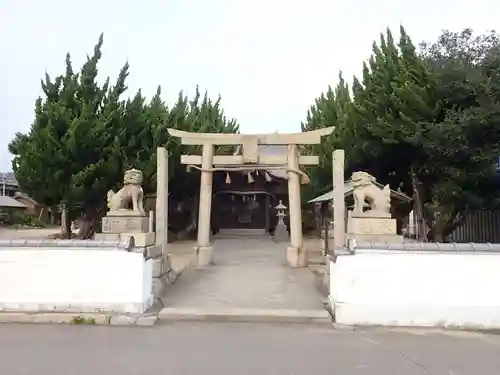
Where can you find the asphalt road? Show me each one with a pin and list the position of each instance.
(234, 349)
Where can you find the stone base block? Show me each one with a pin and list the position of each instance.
(167, 260)
(281, 233)
(391, 238)
(371, 226)
(371, 214)
(205, 256)
(154, 251)
(124, 212)
(296, 256)
(163, 274)
(158, 267)
(162, 265)
(140, 239)
(159, 286)
(125, 224)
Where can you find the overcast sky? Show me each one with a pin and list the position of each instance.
(268, 59)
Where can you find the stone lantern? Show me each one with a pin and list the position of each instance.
(281, 208)
(281, 233)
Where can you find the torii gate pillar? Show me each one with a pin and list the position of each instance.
(295, 253)
(204, 250)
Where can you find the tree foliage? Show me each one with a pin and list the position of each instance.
(85, 135)
(425, 122)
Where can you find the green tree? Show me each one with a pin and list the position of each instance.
(70, 156)
(396, 107)
(466, 129)
(383, 126)
(333, 108)
(410, 117)
(199, 114)
(84, 136)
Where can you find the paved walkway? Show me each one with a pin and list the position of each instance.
(249, 273)
(242, 349)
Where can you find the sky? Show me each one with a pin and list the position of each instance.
(268, 59)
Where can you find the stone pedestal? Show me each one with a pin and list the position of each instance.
(117, 224)
(281, 233)
(125, 224)
(373, 229)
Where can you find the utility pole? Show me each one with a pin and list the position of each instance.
(3, 184)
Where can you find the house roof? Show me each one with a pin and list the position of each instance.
(6, 201)
(348, 189)
(21, 195)
(8, 178)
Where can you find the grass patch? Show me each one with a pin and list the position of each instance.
(83, 320)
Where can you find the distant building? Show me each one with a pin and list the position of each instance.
(9, 203)
(8, 184)
(12, 196)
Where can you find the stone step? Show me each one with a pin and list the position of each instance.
(234, 233)
(313, 317)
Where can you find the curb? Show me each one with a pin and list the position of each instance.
(78, 318)
(310, 317)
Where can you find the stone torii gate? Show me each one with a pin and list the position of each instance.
(250, 159)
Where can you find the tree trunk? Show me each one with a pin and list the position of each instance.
(418, 206)
(90, 218)
(65, 224)
(436, 234)
(442, 229)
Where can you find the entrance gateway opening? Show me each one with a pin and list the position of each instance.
(241, 210)
(250, 161)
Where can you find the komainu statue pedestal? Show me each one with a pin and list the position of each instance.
(374, 223)
(372, 229)
(128, 225)
(121, 222)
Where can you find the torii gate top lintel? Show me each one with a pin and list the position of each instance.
(249, 143)
(305, 138)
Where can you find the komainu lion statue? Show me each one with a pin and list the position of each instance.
(131, 192)
(364, 190)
